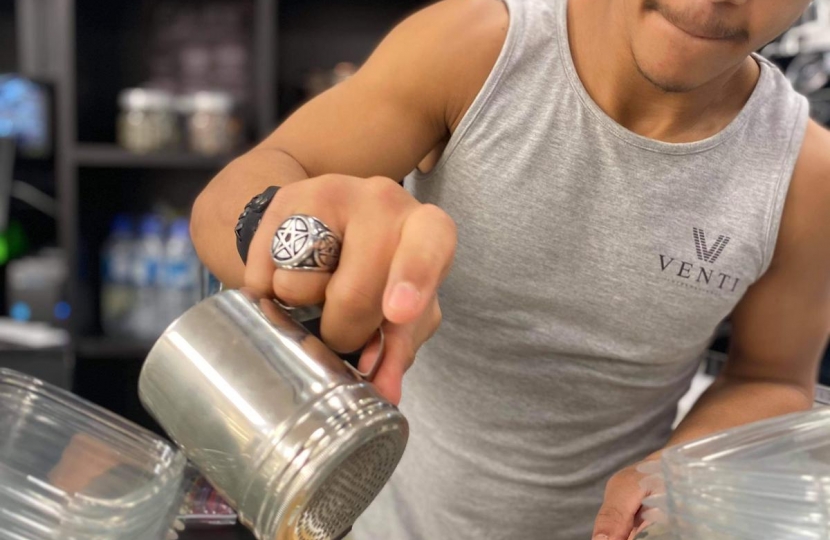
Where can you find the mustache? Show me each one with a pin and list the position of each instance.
(713, 28)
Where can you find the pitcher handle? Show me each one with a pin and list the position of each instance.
(210, 285)
(310, 313)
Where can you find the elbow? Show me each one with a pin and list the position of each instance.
(782, 395)
(198, 224)
(209, 221)
(212, 220)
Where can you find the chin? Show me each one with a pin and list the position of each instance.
(677, 70)
(671, 80)
(675, 61)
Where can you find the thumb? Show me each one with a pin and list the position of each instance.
(623, 499)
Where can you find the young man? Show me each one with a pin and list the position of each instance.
(620, 176)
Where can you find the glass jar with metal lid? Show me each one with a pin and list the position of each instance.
(147, 122)
(210, 123)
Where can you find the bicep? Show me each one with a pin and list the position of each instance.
(780, 327)
(356, 131)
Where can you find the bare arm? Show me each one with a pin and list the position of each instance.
(401, 105)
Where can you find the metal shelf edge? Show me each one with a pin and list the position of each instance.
(110, 155)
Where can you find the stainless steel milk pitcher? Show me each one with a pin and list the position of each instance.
(296, 440)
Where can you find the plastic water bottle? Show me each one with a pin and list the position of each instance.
(117, 292)
(147, 319)
(180, 277)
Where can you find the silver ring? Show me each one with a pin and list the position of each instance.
(305, 243)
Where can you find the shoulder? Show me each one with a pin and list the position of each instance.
(443, 53)
(814, 160)
(805, 225)
(810, 188)
(481, 27)
(465, 18)
(464, 29)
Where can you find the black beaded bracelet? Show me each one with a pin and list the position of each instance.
(249, 220)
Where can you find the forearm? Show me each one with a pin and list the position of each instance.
(217, 208)
(733, 401)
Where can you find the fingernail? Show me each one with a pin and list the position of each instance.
(601, 537)
(405, 296)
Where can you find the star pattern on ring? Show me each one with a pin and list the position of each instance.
(292, 239)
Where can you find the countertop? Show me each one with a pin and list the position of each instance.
(219, 533)
(237, 532)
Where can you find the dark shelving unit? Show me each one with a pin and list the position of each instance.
(105, 53)
(237, 532)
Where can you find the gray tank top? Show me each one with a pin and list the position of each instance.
(593, 268)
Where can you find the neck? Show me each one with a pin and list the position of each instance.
(609, 73)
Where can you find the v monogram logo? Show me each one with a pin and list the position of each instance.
(706, 254)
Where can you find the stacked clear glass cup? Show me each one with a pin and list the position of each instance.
(766, 480)
(70, 470)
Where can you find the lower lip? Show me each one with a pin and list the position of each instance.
(688, 35)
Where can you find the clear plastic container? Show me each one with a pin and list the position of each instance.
(70, 469)
(797, 443)
(770, 479)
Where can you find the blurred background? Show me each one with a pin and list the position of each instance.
(114, 115)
